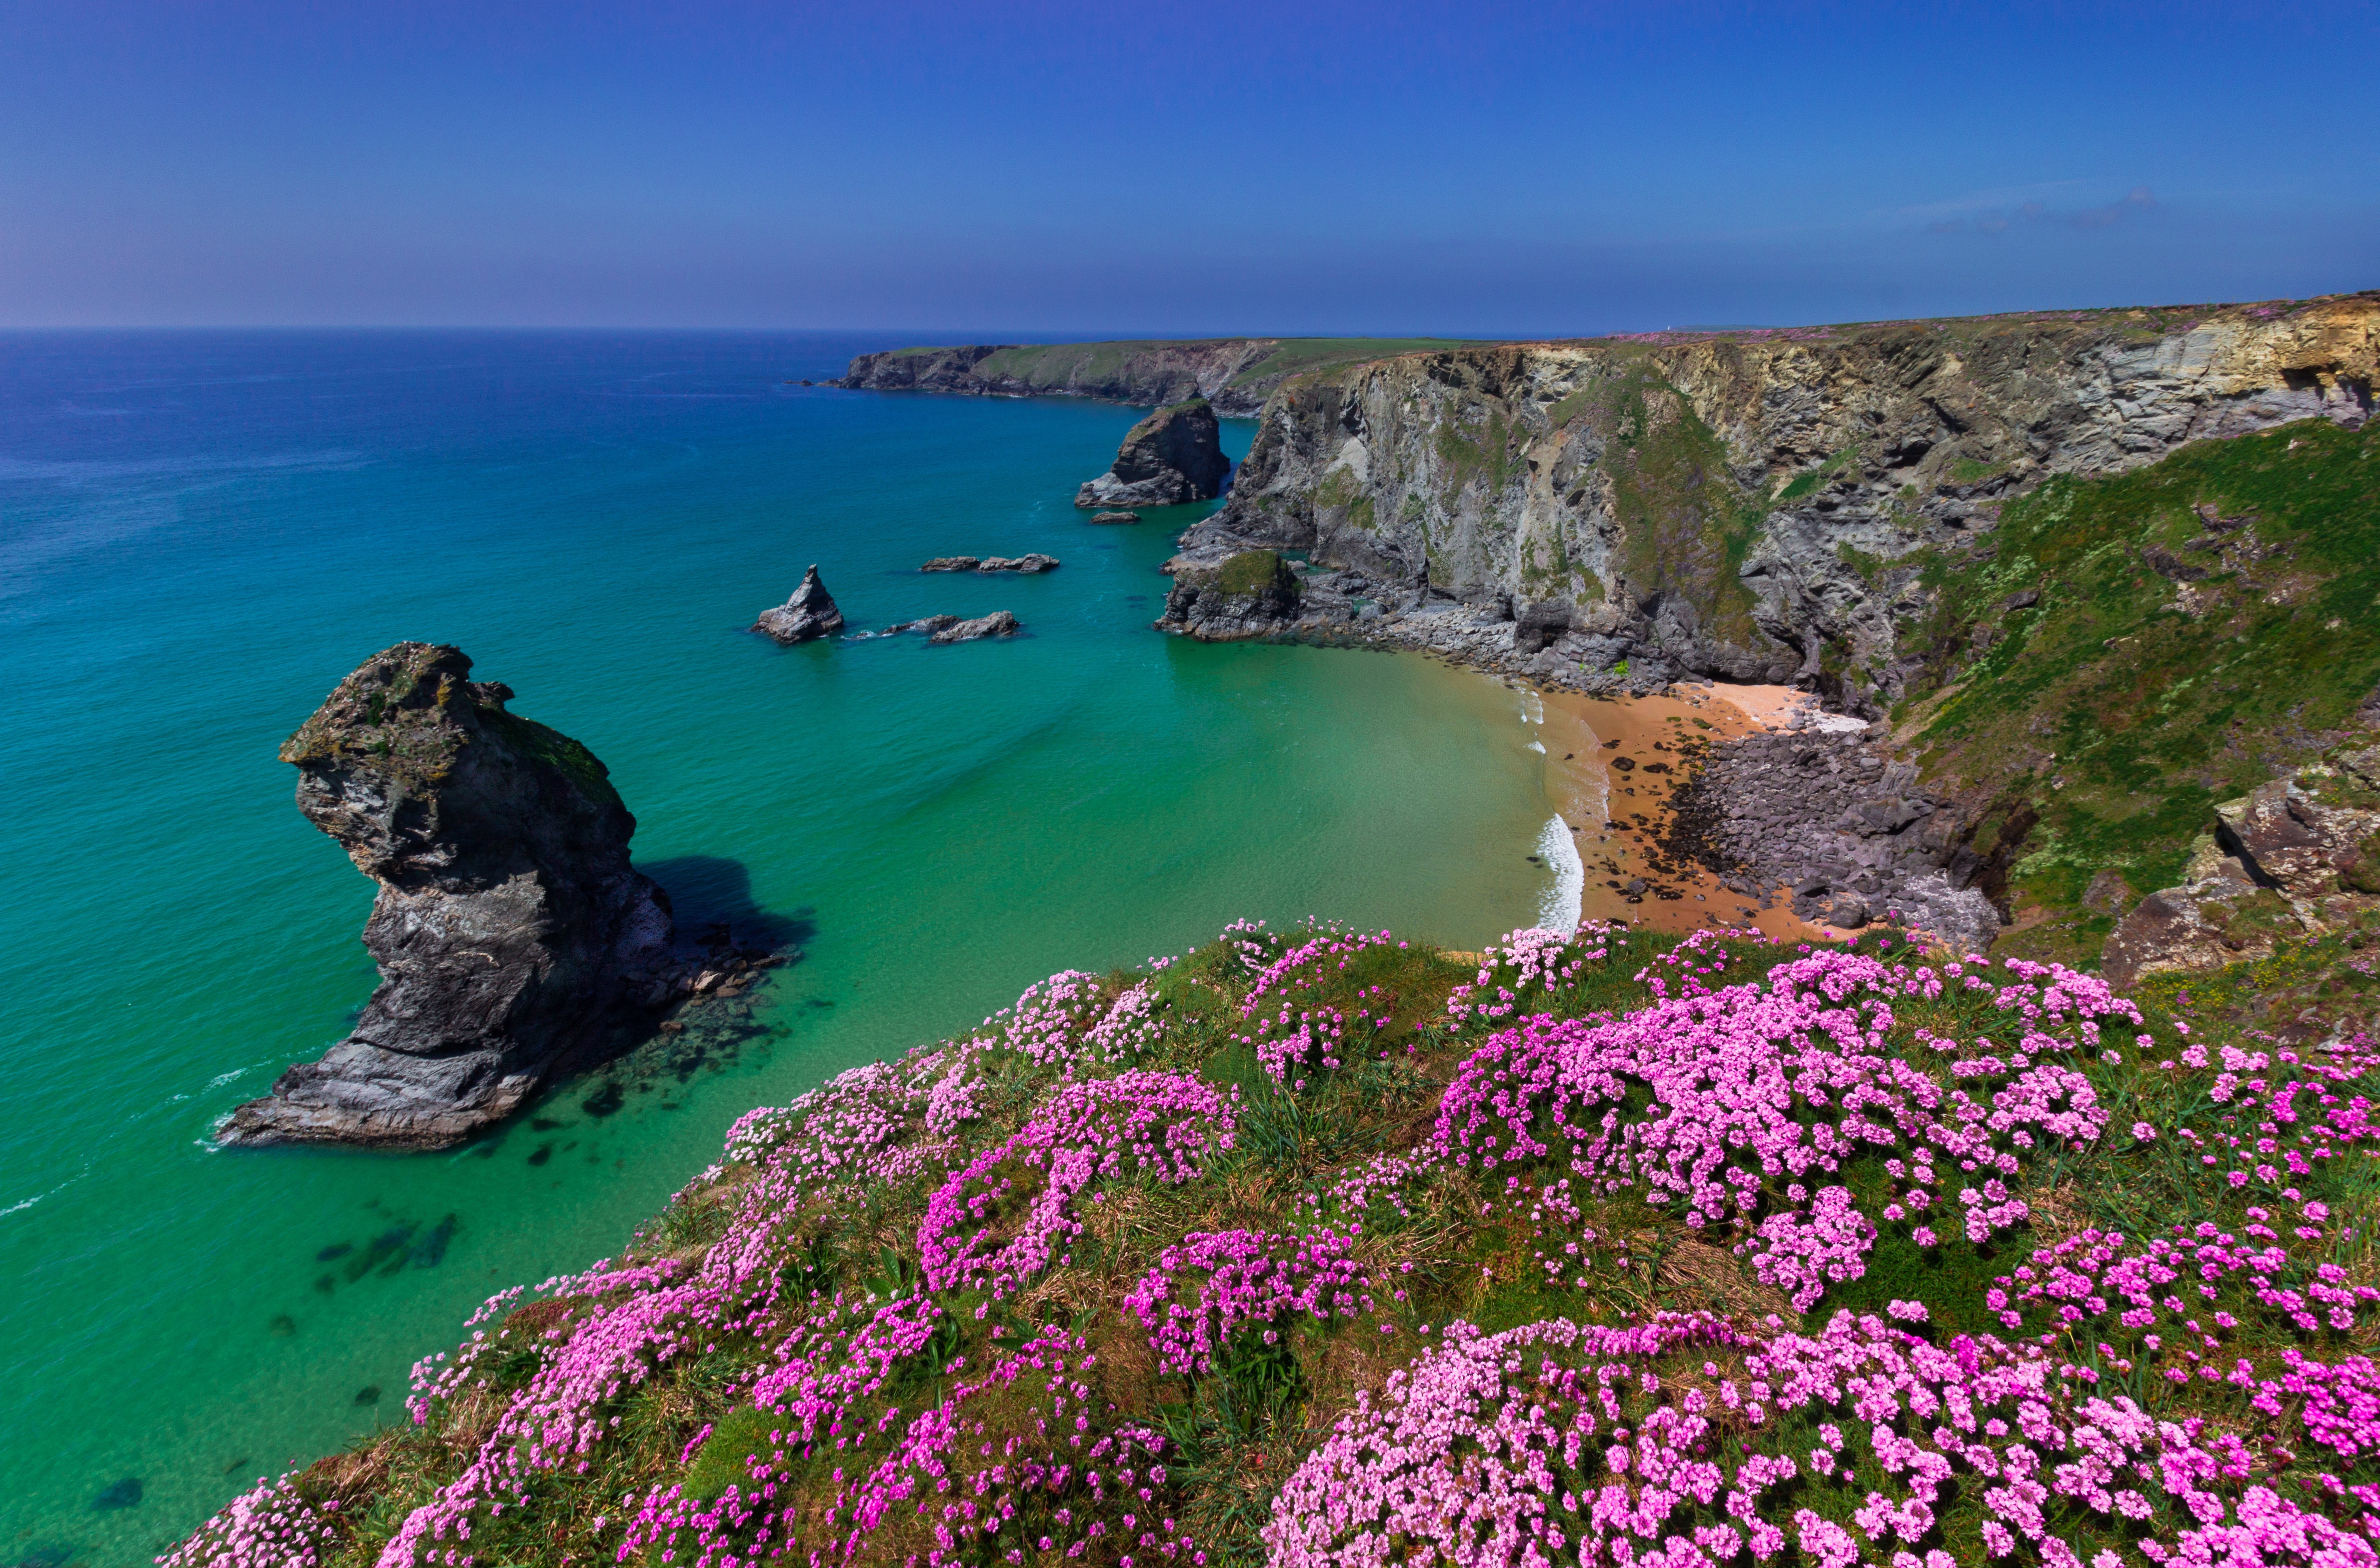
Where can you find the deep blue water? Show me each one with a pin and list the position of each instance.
(199, 533)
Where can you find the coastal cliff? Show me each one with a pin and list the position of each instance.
(1736, 505)
(509, 928)
(1235, 374)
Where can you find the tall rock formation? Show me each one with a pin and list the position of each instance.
(510, 930)
(810, 613)
(1172, 457)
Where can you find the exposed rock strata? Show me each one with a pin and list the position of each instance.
(510, 930)
(2293, 859)
(1731, 507)
(809, 614)
(1172, 457)
(1830, 819)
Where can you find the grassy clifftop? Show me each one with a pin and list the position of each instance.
(1323, 1248)
(2119, 653)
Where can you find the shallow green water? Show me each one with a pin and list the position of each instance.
(200, 533)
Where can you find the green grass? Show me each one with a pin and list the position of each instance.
(2126, 704)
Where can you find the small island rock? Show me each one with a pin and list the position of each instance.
(952, 564)
(1033, 562)
(1248, 593)
(999, 622)
(1171, 457)
(510, 930)
(1114, 517)
(810, 613)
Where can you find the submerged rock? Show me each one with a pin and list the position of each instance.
(999, 622)
(1112, 518)
(1252, 593)
(810, 613)
(509, 930)
(1171, 457)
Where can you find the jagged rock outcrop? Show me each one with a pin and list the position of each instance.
(1028, 563)
(2295, 857)
(510, 930)
(810, 613)
(1171, 458)
(1830, 818)
(1733, 504)
(1252, 593)
(999, 622)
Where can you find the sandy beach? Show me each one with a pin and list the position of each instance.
(1611, 764)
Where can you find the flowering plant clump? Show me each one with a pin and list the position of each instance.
(1292, 1030)
(1330, 1248)
(268, 1524)
(1252, 1277)
(1011, 1212)
(1028, 1459)
(1533, 969)
(1560, 1442)
(1756, 1100)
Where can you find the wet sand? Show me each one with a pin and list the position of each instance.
(1616, 811)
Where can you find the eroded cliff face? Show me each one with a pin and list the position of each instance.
(1733, 506)
(509, 928)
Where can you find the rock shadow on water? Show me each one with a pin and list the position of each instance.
(707, 892)
(125, 1493)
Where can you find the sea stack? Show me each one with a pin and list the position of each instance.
(511, 932)
(1171, 457)
(810, 613)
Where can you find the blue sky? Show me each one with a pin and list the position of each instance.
(1471, 169)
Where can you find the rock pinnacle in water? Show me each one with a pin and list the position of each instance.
(510, 930)
(810, 613)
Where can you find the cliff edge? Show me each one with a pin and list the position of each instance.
(509, 928)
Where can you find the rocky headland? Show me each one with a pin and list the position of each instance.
(1170, 458)
(511, 932)
(809, 614)
(1236, 375)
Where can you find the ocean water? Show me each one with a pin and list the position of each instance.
(199, 533)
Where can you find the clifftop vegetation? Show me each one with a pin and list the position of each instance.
(1323, 1248)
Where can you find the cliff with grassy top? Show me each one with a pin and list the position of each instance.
(1321, 1247)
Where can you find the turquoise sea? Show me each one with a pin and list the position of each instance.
(199, 533)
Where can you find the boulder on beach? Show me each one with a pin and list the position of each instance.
(1114, 517)
(1172, 457)
(810, 613)
(999, 622)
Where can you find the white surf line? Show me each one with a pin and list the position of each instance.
(1560, 906)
